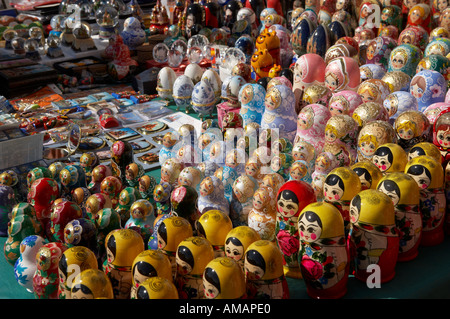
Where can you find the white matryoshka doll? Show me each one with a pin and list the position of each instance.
(253, 169)
(280, 112)
(412, 127)
(170, 233)
(324, 256)
(342, 74)
(340, 186)
(273, 181)
(371, 71)
(369, 174)
(170, 171)
(190, 176)
(429, 175)
(311, 122)
(341, 133)
(325, 163)
(304, 151)
(292, 197)
(193, 254)
(373, 90)
(344, 102)
(390, 157)
(428, 87)
(264, 271)
(405, 195)
(309, 69)
(237, 241)
(374, 238)
(244, 188)
(212, 195)
(251, 97)
(236, 158)
(262, 216)
(168, 142)
(398, 102)
(372, 135)
(224, 278)
(214, 225)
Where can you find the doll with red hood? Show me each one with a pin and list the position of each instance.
(441, 135)
(122, 63)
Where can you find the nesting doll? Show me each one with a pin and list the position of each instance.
(161, 197)
(42, 194)
(415, 35)
(82, 232)
(428, 87)
(281, 163)
(264, 271)
(99, 172)
(214, 225)
(121, 156)
(398, 102)
(184, 203)
(412, 127)
(311, 122)
(344, 102)
(133, 172)
(405, 58)
(251, 97)
(170, 233)
(405, 195)
(425, 148)
(62, 213)
(435, 62)
(244, 188)
(228, 175)
(127, 197)
(369, 174)
(168, 142)
(112, 186)
(7, 202)
(106, 220)
(372, 135)
(122, 247)
(147, 264)
(379, 49)
(420, 15)
(370, 111)
(170, 171)
(192, 256)
(236, 158)
(92, 284)
(317, 94)
(341, 133)
(305, 151)
(429, 175)
(95, 203)
(299, 170)
(46, 278)
(440, 46)
(212, 195)
(292, 197)
(147, 184)
(374, 235)
(223, 278)
(36, 173)
(71, 177)
(342, 74)
(371, 71)
(441, 137)
(237, 242)
(373, 90)
(142, 216)
(190, 176)
(273, 181)
(325, 163)
(391, 15)
(73, 261)
(390, 158)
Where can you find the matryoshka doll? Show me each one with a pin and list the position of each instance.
(170, 171)
(405, 58)
(122, 247)
(341, 133)
(369, 174)
(429, 175)
(373, 90)
(62, 213)
(42, 194)
(428, 87)
(7, 202)
(149, 263)
(237, 242)
(161, 197)
(46, 278)
(299, 170)
(379, 50)
(292, 197)
(111, 186)
(36, 173)
(127, 197)
(311, 122)
(83, 232)
(184, 203)
(99, 172)
(415, 35)
(92, 284)
(366, 11)
(441, 135)
(264, 271)
(435, 62)
(372, 135)
(244, 188)
(133, 172)
(425, 148)
(88, 161)
(168, 142)
(369, 111)
(325, 163)
(412, 127)
(212, 195)
(121, 156)
(170, 233)
(106, 220)
(192, 256)
(317, 94)
(147, 184)
(190, 176)
(324, 257)
(280, 112)
(340, 186)
(390, 157)
(214, 225)
(344, 102)
(398, 102)
(304, 151)
(73, 261)
(342, 74)
(420, 15)
(251, 97)
(371, 71)
(142, 216)
(227, 175)
(71, 177)
(79, 197)
(262, 216)
(95, 203)
(405, 195)
(223, 278)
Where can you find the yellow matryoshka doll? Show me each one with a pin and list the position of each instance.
(405, 195)
(374, 236)
(157, 288)
(390, 157)
(372, 135)
(425, 148)
(429, 175)
(92, 284)
(339, 188)
(223, 278)
(171, 232)
(122, 247)
(238, 240)
(369, 174)
(214, 225)
(73, 261)
(149, 263)
(324, 256)
(193, 254)
(264, 271)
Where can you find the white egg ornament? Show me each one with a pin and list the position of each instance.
(182, 92)
(213, 78)
(203, 99)
(166, 80)
(194, 71)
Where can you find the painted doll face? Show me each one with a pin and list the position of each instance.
(354, 213)
(247, 95)
(81, 294)
(368, 147)
(382, 162)
(286, 207)
(206, 187)
(109, 255)
(414, 15)
(258, 202)
(331, 81)
(210, 290)
(340, 4)
(391, 193)
(398, 61)
(183, 268)
(298, 172)
(410, 3)
(251, 169)
(330, 136)
(443, 138)
(370, 52)
(405, 133)
(273, 100)
(309, 230)
(253, 272)
(332, 192)
(322, 163)
(137, 213)
(233, 251)
(416, 91)
(276, 164)
(367, 95)
(422, 180)
(298, 155)
(442, 5)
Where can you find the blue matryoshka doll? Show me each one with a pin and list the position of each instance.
(252, 97)
(212, 196)
(398, 102)
(405, 58)
(228, 175)
(428, 87)
(371, 71)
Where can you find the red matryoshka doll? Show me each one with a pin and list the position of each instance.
(324, 256)
(170, 233)
(370, 111)
(309, 70)
(374, 236)
(311, 122)
(405, 195)
(441, 135)
(62, 213)
(112, 186)
(214, 225)
(192, 256)
(429, 175)
(265, 278)
(149, 263)
(237, 242)
(373, 90)
(121, 156)
(292, 197)
(43, 192)
(92, 284)
(342, 74)
(46, 278)
(98, 173)
(379, 50)
(389, 158)
(122, 247)
(341, 133)
(262, 218)
(420, 15)
(73, 261)
(372, 135)
(344, 102)
(411, 127)
(414, 35)
(367, 15)
(369, 174)
(170, 171)
(438, 6)
(223, 278)
(340, 186)
(36, 173)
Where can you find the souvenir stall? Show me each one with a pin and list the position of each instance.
(225, 149)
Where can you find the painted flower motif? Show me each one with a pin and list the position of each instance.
(311, 269)
(436, 90)
(288, 244)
